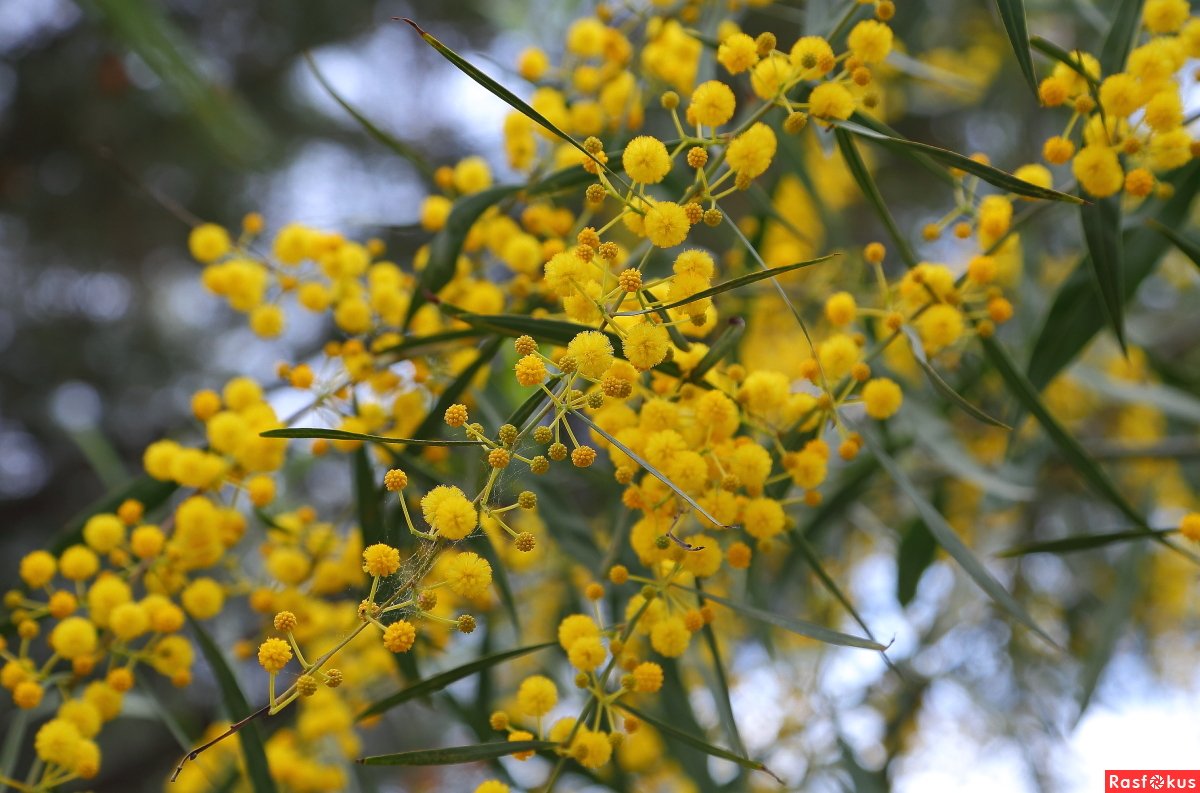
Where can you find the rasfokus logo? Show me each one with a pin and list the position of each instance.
(1151, 780)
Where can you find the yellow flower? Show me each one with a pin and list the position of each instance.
(737, 53)
(208, 242)
(591, 748)
(274, 654)
(203, 598)
(1189, 526)
(669, 637)
(870, 40)
(530, 370)
(73, 638)
(574, 627)
(455, 516)
(813, 57)
(666, 224)
(399, 636)
(104, 532)
(491, 786)
(380, 559)
(762, 518)
(837, 355)
(646, 160)
(37, 568)
(586, 653)
(469, 575)
(1165, 16)
(750, 153)
(840, 308)
(58, 742)
(831, 100)
(939, 327)
(647, 677)
(537, 696)
(646, 345)
(712, 103)
(1098, 170)
(592, 352)
(472, 174)
(881, 397)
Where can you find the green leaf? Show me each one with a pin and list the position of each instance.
(149, 491)
(1076, 314)
(993, 176)
(448, 397)
(1114, 614)
(1020, 387)
(725, 345)
(696, 743)
(511, 99)
(754, 254)
(343, 435)
(368, 498)
(733, 283)
(915, 553)
(953, 544)
(417, 342)
(1171, 401)
(487, 549)
(1012, 14)
(721, 695)
(1071, 59)
(398, 146)
(800, 627)
(441, 680)
(257, 771)
(1102, 233)
(1083, 542)
(649, 468)
(453, 755)
(1120, 38)
(1184, 243)
(866, 183)
(946, 390)
(447, 244)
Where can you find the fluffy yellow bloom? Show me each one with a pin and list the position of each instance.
(104, 532)
(1165, 16)
(812, 57)
(574, 627)
(647, 677)
(586, 653)
(837, 355)
(37, 568)
(274, 654)
(455, 516)
(881, 397)
(762, 518)
(939, 327)
(380, 559)
(203, 598)
(469, 575)
(58, 742)
(669, 637)
(491, 786)
(666, 224)
(712, 103)
(591, 748)
(750, 153)
(831, 100)
(646, 160)
(530, 370)
(537, 696)
(737, 53)
(399, 636)
(870, 40)
(73, 638)
(840, 308)
(592, 352)
(1189, 526)
(209, 242)
(646, 345)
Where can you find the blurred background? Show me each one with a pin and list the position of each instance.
(123, 121)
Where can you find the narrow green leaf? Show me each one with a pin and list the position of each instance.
(934, 168)
(15, 729)
(1120, 38)
(1173, 402)
(418, 342)
(915, 553)
(659, 475)
(1102, 233)
(149, 491)
(441, 680)
(1080, 460)
(447, 244)
(1076, 314)
(1012, 14)
(754, 254)
(1071, 59)
(453, 755)
(257, 770)
(1083, 542)
(450, 395)
(721, 695)
(936, 380)
(725, 345)
(696, 743)
(1184, 243)
(398, 146)
(1114, 614)
(368, 497)
(343, 435)
(733, 283)
(800, 627)
(866, 183)
(509, 98)
(953, 544)
(993, 176)
(503, 587)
